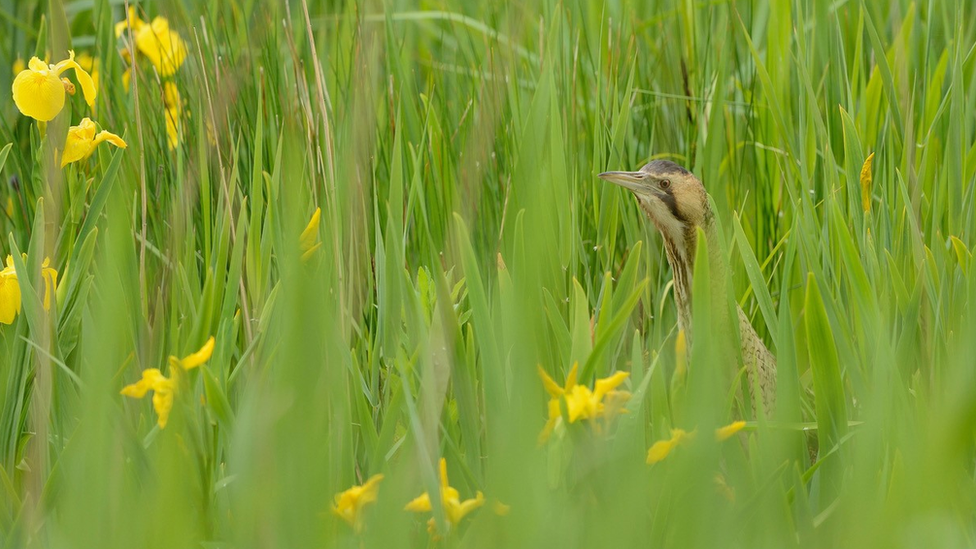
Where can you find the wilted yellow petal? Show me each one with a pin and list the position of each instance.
(725, 433)
(866, 183)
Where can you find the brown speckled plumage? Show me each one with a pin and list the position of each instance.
(677, 203)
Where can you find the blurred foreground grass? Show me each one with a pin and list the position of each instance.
(464, 241)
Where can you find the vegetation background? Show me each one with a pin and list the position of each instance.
(452, 148)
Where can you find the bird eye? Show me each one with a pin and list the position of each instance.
(665, 183)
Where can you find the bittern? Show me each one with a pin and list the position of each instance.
(677, 203)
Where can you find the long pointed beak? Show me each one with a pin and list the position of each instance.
(628, 180)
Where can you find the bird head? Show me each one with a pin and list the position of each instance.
(672, 197)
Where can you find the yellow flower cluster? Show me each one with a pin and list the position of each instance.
(349, 504)
(602, 402)
(574, 402)
(165, 388)
(39, 92)
(167, 51)
(10, 298)
(454, 508)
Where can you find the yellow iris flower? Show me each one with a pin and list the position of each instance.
(10, 298)
(39, 91)
(454, 508)
(350, 503)
(603, 401)
(163, 47)
(164, 388)
(308, 242)
(82, 140)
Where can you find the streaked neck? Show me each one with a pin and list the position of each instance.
(681, 257)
